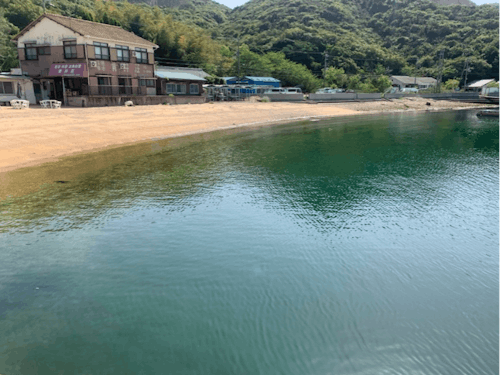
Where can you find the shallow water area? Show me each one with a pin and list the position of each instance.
(348, 246)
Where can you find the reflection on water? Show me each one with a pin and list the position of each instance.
(361, 245)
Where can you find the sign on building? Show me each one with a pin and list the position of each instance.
(68, 70)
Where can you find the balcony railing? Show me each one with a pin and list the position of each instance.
(108, 90)
(82, 51)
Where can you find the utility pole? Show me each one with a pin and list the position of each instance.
(238, 55)
(326, 67)
(467, 70)
(440, 74)
(44, 7)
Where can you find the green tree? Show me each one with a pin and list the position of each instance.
(8, 51)
(336, 77)
(451, 84)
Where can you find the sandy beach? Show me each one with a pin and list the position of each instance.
(34, 136)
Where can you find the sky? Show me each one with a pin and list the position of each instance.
(235, 3)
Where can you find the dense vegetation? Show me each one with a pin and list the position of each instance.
(361, 41)
(404, 36)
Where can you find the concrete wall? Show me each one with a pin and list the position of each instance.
(437, 96)
(89, 101)
(285, 97)
(332, 97)
(452, 95)
(398, 95)
(371, 96)
(78, 101)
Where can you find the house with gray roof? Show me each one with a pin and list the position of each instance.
(420, 83)
(477, 86)
(180, 69)
(180, 83)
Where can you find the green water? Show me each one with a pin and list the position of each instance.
(353, 246)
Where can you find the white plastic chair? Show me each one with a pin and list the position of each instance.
(45, 103)
(24, 104)
(15, 103)
(55, 104)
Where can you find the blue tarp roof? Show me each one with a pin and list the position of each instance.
(260, 79)
(178, 76)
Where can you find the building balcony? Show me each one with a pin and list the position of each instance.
(79, 52)
(108, 90)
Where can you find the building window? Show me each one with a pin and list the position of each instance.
(194, 89)
(70, 49)
(101, 51)
(122, 53)
(45, 50)
(104, 85)
(31, 51)
(147, 82)
(125, 86)
(173, 88)
(6, 88)
(141, 55)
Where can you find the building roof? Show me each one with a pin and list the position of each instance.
(90, 29)
(262, 79)
(9, 76)
(178, 76)
(252, 78)
(180, 69)
(411, 80)
(480, 83)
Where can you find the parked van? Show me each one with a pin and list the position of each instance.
(328, 90)
(275, 90)
(293, 90)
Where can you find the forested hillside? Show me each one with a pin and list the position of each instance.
(204, 13)
(363, 41)
(403, 36)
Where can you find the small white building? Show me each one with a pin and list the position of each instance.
(420, 83)
(14, 85)
(477, 86)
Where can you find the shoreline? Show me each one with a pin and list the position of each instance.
(23, 144)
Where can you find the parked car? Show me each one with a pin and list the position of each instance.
(328, 90)
(293, 90)
(409, 90)
(275, 90)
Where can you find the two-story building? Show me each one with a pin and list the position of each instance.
(86, 63)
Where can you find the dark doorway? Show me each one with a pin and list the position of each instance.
(58, 89)
(38, 92)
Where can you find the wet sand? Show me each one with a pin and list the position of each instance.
(34, 136)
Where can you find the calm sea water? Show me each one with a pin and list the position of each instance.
(352, 246)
